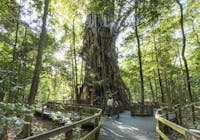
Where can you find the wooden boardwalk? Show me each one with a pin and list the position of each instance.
(128, 128)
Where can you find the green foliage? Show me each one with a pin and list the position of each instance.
(61, 117)
(159, 20)
(13, 113)
(105, 7)
(194, 126)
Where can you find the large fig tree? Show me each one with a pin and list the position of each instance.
(102, 74)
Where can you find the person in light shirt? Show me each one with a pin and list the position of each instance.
(110, 106)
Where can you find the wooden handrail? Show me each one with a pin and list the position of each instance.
(65, 129)
(181, 130)
(74, 106)
(161, 134)
(148, 109)
(174, 126)
(51, 133)
(90, 134)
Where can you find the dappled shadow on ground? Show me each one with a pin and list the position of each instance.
(128, 128)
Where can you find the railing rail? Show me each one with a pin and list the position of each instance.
(148, 109)
(67, 129)
(162, 120)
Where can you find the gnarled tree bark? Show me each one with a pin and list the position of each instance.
(102, 73)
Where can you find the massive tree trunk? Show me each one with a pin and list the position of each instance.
(184, 59)
(102, 73)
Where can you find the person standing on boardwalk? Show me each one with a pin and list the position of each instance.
(110, 106)
(116, 107)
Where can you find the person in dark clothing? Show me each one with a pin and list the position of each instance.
(116, 107)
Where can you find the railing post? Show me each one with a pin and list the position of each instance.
(176, 114)
(180, 114)
(159, 124)
(80, 111)
(96, 125)
(68, 135)
(42, 116)
(166, 128)
(191, 135)
(151, 109)
(167, 113)
(4, 132)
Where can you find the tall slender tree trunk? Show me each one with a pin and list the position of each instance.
(158, 71)
(179, 97)
(75, 63)
(167, 96)
(55, 83)
(81, 76)
(21, 67)
(195, 32)
(152, 91)
(36, 76)
(139, 57)
(184, 59)
(16, 34)
(172, 88)
(11, 96)
(183, 82)
(26, 131)
(24, 52)
(73, 77)
(156, 88)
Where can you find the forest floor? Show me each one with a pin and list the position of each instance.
(41, 125)
(38, 126)
(128, 128)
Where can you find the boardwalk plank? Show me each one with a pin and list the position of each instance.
(128, 128)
